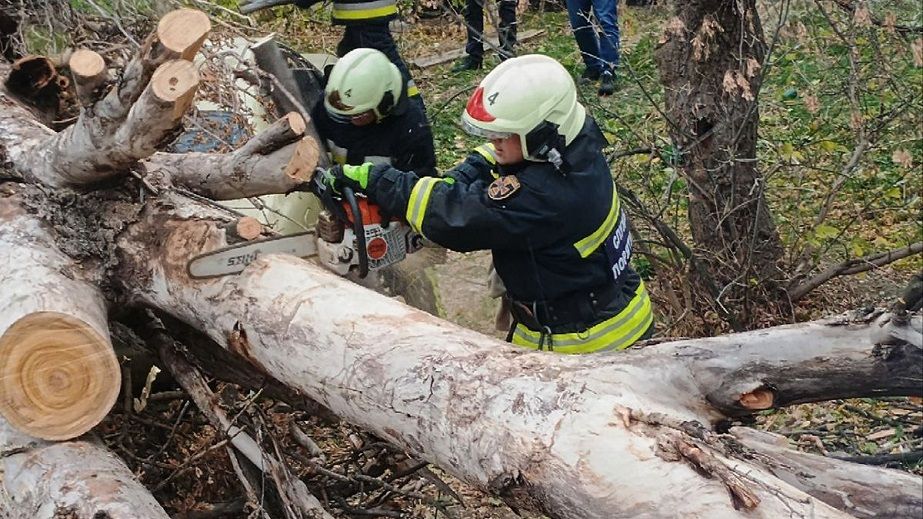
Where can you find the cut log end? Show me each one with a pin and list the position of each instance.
(304, 160)
(296, 122)
(31, 73)
(58, 376)
(183, 31)
(248, 228)
(175, 82)
(85, 63)
(758, 399)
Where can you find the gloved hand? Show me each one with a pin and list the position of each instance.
(355, 177)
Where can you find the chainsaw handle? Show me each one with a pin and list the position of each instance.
(358, 230)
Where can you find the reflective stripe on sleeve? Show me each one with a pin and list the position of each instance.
(587, 245)
(488, 152)
(419, 199)
(616, 333)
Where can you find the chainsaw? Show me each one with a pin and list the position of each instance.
(351, 234)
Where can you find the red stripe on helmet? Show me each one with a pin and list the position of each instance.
(476, 108)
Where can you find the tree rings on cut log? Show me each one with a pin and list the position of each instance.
(58, 376)
(248, 228)
(183, 31)
(304, 160)
(175, 82)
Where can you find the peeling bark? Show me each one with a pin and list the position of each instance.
(76, 479)
(545, 432)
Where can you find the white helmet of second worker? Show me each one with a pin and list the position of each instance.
(363, 87)
(531, 96)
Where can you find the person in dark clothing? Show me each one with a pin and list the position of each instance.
(600, 52)
(366, 26)
(366, 116)
(540, 196)
(474, 23)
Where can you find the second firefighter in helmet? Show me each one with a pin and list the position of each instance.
(365, 115)
(542, 199)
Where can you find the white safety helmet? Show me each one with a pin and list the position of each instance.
(531, 96)
(364, 82)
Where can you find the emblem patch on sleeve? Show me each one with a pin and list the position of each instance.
(503, 188)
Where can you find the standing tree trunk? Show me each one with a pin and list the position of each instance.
(710, 64)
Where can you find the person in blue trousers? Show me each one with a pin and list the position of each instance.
(600, 52)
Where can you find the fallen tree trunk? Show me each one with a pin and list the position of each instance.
(624, 435)
(76, 479)
(58, 372)
(546, 432)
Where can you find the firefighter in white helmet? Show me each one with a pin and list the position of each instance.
(540, 196)
(365, 116)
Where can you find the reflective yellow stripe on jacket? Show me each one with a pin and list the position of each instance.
(616, 333)
(364, 10)
(419, 199)
(587, 245)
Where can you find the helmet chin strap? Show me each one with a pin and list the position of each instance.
(545, 143)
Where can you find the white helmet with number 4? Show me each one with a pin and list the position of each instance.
(531, 96)
(363, 82)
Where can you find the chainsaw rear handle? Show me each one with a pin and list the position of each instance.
(250, 6)
(358, 230)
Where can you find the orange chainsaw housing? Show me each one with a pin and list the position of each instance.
(369, 212)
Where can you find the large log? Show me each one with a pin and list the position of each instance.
(58, 372)
(552, 433)
(77, 479)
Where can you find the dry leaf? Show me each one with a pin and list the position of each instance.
(862, 17)
(903, 158)
(811, 103)
(753, 66)
(729, 83)
(701, 44)
(917, 48)
(744, 85)
(890, 21)
(675, 27)
(856, 120)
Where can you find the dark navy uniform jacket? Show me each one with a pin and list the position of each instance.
(403, 139)
(535, 232)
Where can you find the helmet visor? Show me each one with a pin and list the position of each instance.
(477, 131)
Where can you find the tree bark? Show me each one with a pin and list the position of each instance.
(76, 479)
(546, 432)
(130, 123)
(58, 372)
(278, 160)
(860, 490)
(710, 63)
